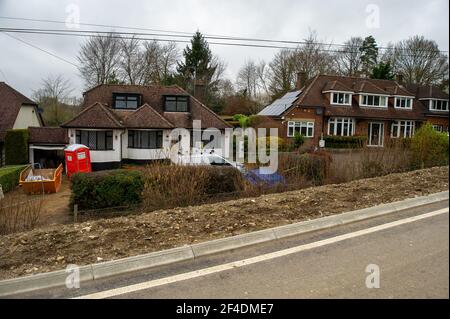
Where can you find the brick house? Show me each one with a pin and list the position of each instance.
(132, 123)
(349, 106)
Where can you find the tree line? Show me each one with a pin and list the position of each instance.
(113, 59)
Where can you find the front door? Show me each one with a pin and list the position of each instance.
(376, 134)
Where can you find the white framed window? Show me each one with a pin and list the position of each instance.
(401, 102)
(439, 128)
(341, 126)
(305, 128)
(402, 129)
(340, 98)
(439, 105)
(373, 100)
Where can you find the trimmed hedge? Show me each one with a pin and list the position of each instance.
(9, 177)
(345, 141)
(106, 189)
(16, 147)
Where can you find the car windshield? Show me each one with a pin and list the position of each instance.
(217, 160)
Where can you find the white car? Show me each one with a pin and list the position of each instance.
(210, 159)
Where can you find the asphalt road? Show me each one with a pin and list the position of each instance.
(412, 256)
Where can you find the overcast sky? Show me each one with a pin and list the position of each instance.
(23, 67)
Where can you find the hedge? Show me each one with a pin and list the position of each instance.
(16, 147)
(106, 189)
(9, 177)
(345, 141)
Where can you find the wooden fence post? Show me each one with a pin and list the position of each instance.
(75, 213)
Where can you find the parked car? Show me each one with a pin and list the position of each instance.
(262, 176)
(212, 160)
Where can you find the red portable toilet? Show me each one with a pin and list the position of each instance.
(78, 159)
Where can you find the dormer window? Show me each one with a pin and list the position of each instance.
(341, 98)
(401, 102)
(371, 100)
(126, 101)
(176, 103)
(439, 105)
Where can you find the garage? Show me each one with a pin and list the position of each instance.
(46, 146)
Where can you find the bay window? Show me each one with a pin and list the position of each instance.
(95, 140)
(305, 128)
(373, 100)
(402, 129)
(145, 139)
(341, 126)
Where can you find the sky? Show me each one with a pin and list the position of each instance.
(24, 67)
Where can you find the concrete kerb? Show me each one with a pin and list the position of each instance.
(189, 252)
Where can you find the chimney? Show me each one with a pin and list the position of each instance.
(399, 78)
(301, 79)
(200, 90)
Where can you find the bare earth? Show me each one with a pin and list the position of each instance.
(52, 247)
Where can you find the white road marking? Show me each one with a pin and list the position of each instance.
(253, 260)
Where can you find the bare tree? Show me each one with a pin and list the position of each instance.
(54, 98)
(282, 73)
(247, 79)
(99, 59)
(348, 59)
(132, 65)
(313, 57)
(159, 62)
(420, 61)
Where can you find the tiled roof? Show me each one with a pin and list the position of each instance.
(10, 104)
(427, 91)
(336, 86)
(143, 117)
(95, 116)
(48, 135)
(153, 95)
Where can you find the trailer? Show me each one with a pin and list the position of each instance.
(41, 180)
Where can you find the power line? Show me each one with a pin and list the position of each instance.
(188, 34)
(40, 49)
(130, 35)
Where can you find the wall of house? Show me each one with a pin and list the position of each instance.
(304, 114)
(145, 154)
(444, 121)
(112, 156)
(27, 117)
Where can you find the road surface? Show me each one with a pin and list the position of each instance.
(410, 249)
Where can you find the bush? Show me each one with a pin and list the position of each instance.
(429, 147)
(299, 140)
(308, 167)
(16, 147)
(345, 141)
(106, 189)
(177, 186)
(9, 177)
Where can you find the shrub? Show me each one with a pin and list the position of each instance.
(176, 186)
(345, 141)
(299, 140)
(308, 167)
(429, 147)
(16, 147)
(106, 189)
(19, 215)
(9, 177)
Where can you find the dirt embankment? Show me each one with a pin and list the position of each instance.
(53, 247)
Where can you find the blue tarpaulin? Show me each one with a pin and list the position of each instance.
(258, 176)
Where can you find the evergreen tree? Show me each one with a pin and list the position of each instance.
(369, 55)
(382, 71)
(198, 63)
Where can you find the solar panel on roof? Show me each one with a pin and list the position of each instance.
(280, 105)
